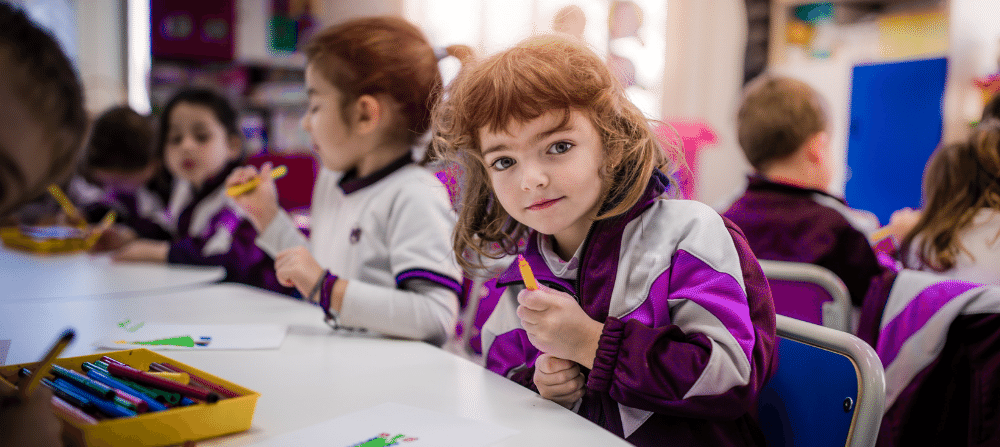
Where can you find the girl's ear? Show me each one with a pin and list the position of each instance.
(369, 112)
(235, 149)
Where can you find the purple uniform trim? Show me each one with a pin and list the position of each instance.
(719, 294)
(427, 275)
(915, 315)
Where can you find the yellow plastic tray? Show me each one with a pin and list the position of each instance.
(14, 238)
(170, 427)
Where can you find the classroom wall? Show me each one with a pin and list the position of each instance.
(702, 78)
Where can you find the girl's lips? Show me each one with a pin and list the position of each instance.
(187, 164)
(542, 204)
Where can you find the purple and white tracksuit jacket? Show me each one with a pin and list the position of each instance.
(205, 227)
(939, 342)
(689, 326)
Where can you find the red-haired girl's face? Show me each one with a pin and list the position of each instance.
(546, 176)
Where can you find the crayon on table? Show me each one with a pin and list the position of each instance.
(244, 188)
(526, 274)
(118, 370)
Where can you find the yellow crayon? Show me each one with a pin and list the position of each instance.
(879, 234)
(244, 188)
(101, 227)
(526, 275)
(65, 203)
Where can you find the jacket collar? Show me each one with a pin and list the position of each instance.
(351, 183)
(759, 183)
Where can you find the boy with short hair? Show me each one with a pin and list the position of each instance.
(786, 211)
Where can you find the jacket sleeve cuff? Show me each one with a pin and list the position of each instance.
(607, 355)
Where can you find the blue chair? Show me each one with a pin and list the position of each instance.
(828, 389)
(809, 293)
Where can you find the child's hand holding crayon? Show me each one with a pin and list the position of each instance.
(557, 325)
(255, 192)
(558, 380)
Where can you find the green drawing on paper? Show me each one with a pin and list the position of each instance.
(383, 440)
(185, 341)
(134, 328)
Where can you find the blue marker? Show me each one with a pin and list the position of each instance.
(97, 375)
(104, 406)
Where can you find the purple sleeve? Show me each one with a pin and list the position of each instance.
(244, 261)
(658, 367)
(853, 259)
(127, 207)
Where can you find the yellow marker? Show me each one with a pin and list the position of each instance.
(879, 234)
(27, 384)
(100, 228)
(526, 275)
(66, 205)
(243, 188)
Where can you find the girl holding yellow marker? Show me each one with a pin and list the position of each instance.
(201, 145)
(647, 315)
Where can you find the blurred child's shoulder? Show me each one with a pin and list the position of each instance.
(681, 211)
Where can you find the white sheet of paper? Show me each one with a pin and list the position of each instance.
(398, 425)
(154, 336)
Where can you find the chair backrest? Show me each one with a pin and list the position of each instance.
(808, 292)
(828, 389)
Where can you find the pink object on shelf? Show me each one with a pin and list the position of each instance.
(694, 135)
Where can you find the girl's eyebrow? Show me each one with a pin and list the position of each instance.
(561, 127)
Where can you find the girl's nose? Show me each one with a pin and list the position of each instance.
(533, 177)
(304, 122)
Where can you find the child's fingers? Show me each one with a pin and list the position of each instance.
(550, 364)
(536, 300)
(528, 317)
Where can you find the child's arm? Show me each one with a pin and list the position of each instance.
(143, 250)
(419, 309)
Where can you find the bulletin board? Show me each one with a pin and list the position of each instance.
(895, 124)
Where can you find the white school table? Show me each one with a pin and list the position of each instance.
(26, 276)
(316, 375)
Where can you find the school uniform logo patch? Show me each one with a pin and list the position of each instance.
(355, 235)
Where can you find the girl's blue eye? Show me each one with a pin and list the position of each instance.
(560, 147)
(502, 163)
